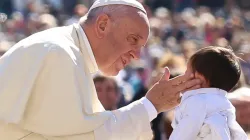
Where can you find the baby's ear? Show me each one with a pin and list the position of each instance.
(204, 81)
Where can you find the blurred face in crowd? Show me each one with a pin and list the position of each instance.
(119, 38)
(81, 10)
(188, 49)
(107, 93)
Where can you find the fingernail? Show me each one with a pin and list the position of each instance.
(166, 68)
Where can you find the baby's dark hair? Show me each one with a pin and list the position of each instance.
(220, 66)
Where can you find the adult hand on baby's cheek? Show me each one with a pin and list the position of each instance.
(156, 93)
(165, 94)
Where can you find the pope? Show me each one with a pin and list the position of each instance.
(46, 86)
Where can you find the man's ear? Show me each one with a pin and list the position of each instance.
(101, 26)
(204, 82)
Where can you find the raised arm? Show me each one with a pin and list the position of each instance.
(133, 121)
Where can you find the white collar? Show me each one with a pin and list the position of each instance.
(88, 47)
(203, 91)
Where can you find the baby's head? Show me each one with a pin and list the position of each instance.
(217, 67)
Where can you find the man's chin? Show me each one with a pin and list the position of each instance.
(111, 73)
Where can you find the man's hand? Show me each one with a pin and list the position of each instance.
(166, 94)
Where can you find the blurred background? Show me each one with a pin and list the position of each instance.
(178, 29)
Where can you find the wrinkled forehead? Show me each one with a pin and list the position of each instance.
(139, 23)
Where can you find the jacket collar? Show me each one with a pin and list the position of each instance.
(203, 91)
(83, 44)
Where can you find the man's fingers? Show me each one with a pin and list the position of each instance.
(166, 74)
(179, 100)
(173, 97)
(178, 96)
(192, 88)
(187, 85)
(181, 79)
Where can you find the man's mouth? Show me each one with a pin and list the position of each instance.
(123, 62)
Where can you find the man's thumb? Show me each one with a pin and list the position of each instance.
(166, 74)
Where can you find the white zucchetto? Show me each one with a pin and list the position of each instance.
(132, 3)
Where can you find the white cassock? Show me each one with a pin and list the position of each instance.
(206, 114)
(47, 93)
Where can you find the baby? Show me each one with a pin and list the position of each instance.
(206, 113)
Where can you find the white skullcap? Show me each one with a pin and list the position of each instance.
(132, 3)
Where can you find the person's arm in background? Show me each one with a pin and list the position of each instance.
(129, 122)
(242, 106)
(194, 114)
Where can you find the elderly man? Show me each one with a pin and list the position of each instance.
(46, 86)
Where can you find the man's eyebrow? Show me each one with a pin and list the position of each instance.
(139, 36)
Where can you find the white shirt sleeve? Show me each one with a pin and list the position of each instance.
(127, 123)
(193, 116)
(152, 113)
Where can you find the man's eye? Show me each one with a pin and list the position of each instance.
(132, 40)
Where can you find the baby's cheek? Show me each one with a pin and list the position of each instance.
(188, 72)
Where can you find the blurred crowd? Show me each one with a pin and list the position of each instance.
(176, 34)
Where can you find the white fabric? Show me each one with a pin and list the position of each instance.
(206, 114)
(132, 3)
(152, 113)
(47, 93)
(89, 49)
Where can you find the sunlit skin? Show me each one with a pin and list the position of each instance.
(117, 38)
(189, 71)
(119, 41)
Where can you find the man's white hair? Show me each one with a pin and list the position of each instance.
(113, 11)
